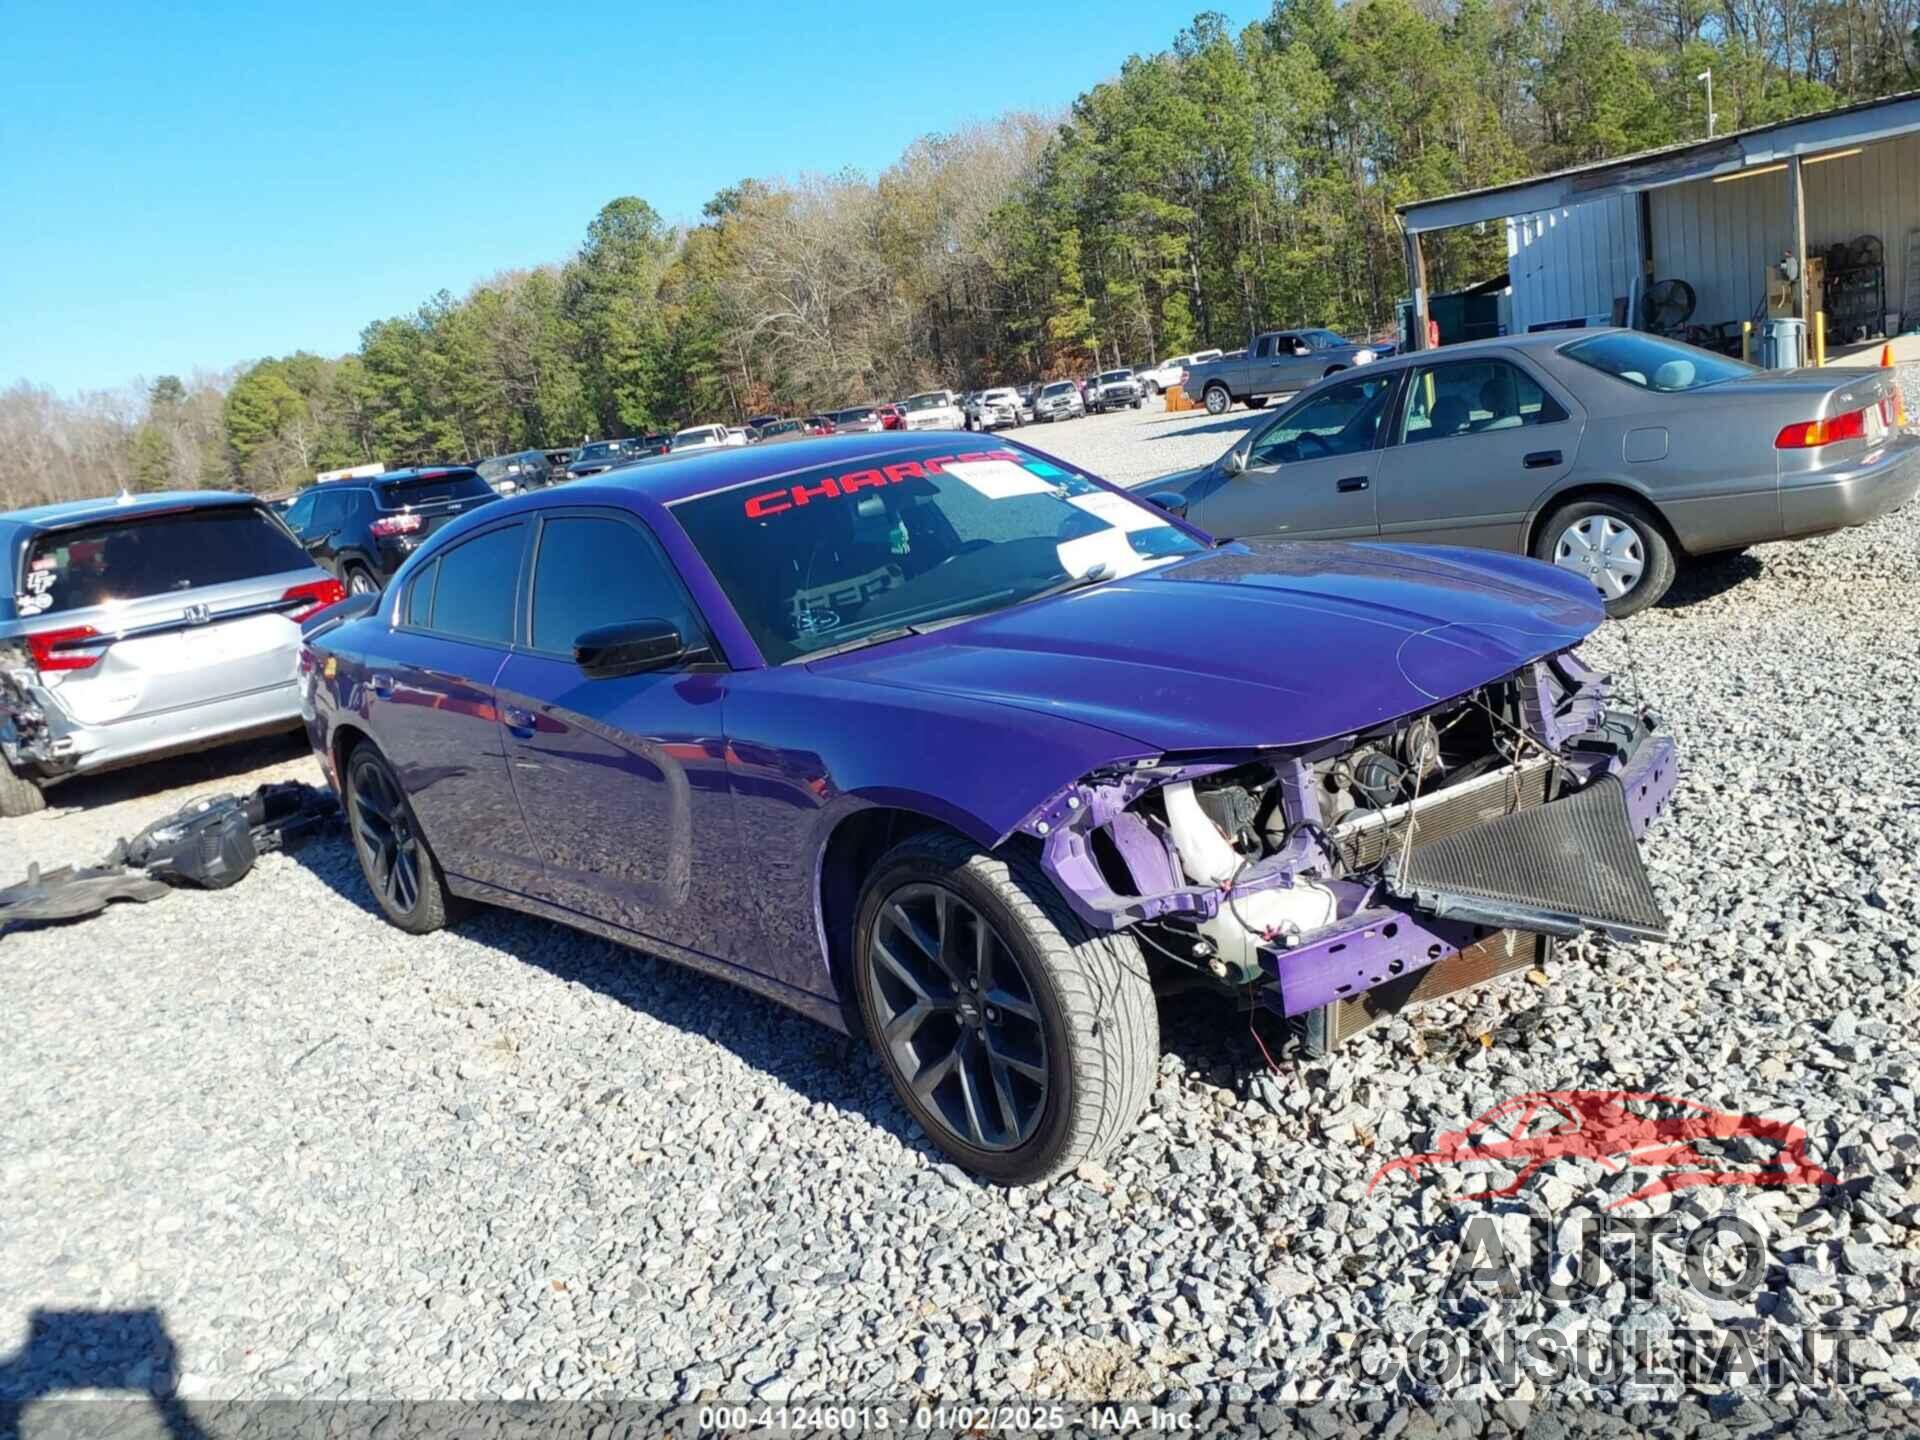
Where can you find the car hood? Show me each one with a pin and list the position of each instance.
(1254, 645)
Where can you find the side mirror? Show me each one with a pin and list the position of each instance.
(629, 648)
(1172, 501)
(1236, 460)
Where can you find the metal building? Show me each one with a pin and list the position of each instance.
(1764, 222)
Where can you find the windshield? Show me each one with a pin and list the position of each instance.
(931, 401)
(1113, 375)
(1656, 364)
(432, 489)
(859, 412)
(825, 556)
(598, 450)
(1059, 387)
(150, 555)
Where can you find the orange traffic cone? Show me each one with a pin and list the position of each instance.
(1886, 356)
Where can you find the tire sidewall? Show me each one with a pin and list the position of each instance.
(1216, 399)
(1034, 1157)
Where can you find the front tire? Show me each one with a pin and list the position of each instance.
(19, 794)
(395, 858)
(1022, 1042)
(359, 581)
(1617, 544)
(1218, 401)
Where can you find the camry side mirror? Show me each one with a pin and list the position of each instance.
(629, 648)
(1172, 501)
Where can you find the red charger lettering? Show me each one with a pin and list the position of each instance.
(771, 503)
(862, 480)
(905, 470)
(827, 489)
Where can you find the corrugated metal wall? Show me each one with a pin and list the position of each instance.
(1570, 263)
(1719, 238)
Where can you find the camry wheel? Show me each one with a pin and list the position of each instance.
(1616, 545)
(1021, 1042)
(1217, 399)
(394, 856)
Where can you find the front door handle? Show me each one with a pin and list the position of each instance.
(1353, 482)
(519, 722)
(1541, 459)
(381, 684)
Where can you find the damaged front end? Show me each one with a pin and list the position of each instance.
(1339, 883)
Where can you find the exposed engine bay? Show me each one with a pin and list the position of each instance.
(1301, 879)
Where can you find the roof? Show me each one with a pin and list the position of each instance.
(667, 478)
(1859, 123)
(116, 507)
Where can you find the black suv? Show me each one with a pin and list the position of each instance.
(362, 530)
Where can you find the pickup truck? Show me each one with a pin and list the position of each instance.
(1277, 363)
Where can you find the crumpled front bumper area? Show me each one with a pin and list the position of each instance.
(1477, 899)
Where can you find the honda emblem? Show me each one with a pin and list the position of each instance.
(198, 614)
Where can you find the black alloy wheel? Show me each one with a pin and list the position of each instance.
(959, 1016)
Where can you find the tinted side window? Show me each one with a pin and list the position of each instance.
(474, 597)
(330, 511)
(419, 611)
(1469, 397)
(592, 572)
(1343, 420)
(299, 514)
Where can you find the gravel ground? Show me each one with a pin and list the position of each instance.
(507, 1160)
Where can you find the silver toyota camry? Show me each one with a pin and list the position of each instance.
(1611, 453)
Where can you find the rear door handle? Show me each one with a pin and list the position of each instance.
(381, 684)
(1541, 459)
(519, 722)
(1353, 482)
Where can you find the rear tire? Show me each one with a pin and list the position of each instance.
(399, 866)
(1218, 401)
(1049, 1058)
(359, 581)
(1256, 402)
(19, 794)
(1624, 540)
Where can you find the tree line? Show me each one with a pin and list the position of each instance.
(1237, 179)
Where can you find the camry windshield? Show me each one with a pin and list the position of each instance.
(821, 558)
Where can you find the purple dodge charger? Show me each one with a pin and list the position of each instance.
(971, 751)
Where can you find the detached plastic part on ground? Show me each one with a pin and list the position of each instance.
(210, 844)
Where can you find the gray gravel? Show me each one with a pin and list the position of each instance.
(511, 1160)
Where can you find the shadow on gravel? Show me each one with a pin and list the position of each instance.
(204, 770)
(93, 1350)
(1228, 425)
(1208, 1033)
(1709, 578)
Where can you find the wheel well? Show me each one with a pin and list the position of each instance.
(1601, 492)
(1333, 370)
(853, 849)
(344, 738)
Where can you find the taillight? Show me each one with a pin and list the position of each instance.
(391, 525)
(1899, 402)
(314, 596)
(50, 649)
(1806, 434)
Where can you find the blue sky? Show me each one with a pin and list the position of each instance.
(193, 186)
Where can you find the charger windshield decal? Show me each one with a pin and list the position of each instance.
(838, 487)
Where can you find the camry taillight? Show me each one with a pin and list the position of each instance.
(390, 525)
(54, 650)
(1806, 434)
(314, 596)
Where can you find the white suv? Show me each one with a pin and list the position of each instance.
(934, 410)
(1167, 373)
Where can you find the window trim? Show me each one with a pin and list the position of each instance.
(440, 553)
(403, 606)
(531, 570)
(1404, 406)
